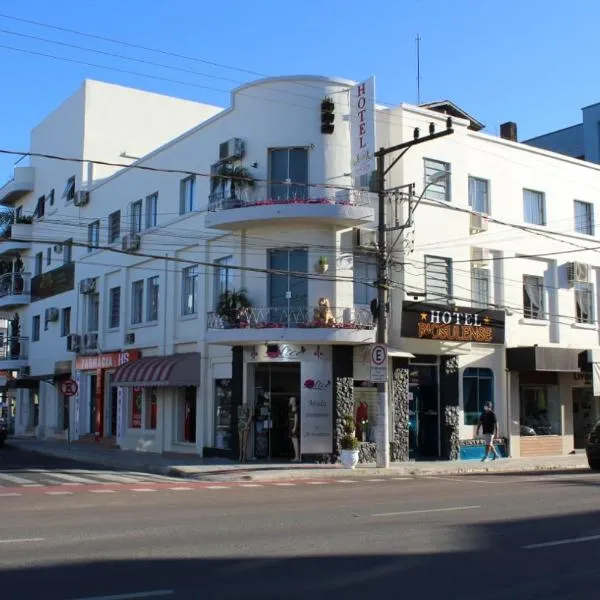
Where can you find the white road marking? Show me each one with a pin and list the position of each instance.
(425, 511)
(58, 493)
(285, 484)
(134, 596)
(143, 490)
(317, 482)
(115, 478)
(375, 480)
(33, 485)
(66, 477)
(251, 485)
(21, 541)
(347, 481)
(401, 478)
(581, 540)
(14, 479)
(180, 489)
(468, 479)
(103, 491)
(217, 487)
(10, 495)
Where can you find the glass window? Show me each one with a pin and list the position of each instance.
(151, 210)
(480, 287)
(222, 277)
(150, 409)
(540, 410)
(114, 226)
(35, 329)
(93, 312)
(584, 302)
(186, 194)
(479, 199)
(93, 235)
(478, 388)
(137, 394)
(65, 327)
(51, 198)
(114, 308)
(69, 193)
(364, 275)
(136, 216)
(223, 413)
(189, 277)
(288, 170)
(441, 189)
(152, 299)
(137, 301)
(438, 277)
(38, 265)
(584, 217)
(68, 251)
(534, 207)
(48, 255)
(533, 297)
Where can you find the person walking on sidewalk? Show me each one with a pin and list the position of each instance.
(488, 424)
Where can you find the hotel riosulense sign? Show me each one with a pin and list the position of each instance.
(452, 323)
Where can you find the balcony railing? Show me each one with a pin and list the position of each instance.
(14, 348)
(283, 193)
(15, 284)
(277, 318)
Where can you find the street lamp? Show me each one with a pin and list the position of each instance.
(433, 179)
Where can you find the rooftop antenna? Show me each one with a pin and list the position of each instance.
(418, 40)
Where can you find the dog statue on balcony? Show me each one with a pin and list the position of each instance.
(323, 314)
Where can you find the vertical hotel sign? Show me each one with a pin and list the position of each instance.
(362, 127)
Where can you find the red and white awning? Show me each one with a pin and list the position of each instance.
(176, 370)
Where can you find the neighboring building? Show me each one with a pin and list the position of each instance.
(226, 295)
(100, 122)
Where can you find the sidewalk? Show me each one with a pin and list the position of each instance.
(197, 468)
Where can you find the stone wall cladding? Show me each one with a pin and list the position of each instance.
(400, 428)
(344, 405)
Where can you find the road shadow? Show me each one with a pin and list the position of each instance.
(490, 559)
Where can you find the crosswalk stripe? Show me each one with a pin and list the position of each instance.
(52, 493)
(285, 484)
(66, 477)
(251, 485)
(180, 489)
(217, 487)
(347, 481)
(14, 479)
(114, 478)
(9, 495)
(103, 491)
(143, 490)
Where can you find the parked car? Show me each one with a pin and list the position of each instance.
(592, 447)
(3, 430)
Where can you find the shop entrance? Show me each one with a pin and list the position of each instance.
(584, 415)
(424, 408)
(274, 385)
(92, 402)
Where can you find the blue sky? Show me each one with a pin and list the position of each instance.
(522, 60)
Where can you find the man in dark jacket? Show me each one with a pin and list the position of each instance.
(488, 424)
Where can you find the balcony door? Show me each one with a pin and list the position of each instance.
(288, 165)
(288, 293)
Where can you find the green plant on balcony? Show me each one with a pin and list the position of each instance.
(24, 219)
(238, 178)
(18, 268)
(231, 307)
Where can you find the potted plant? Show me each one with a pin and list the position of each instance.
(15, 333)
(18, 268)
(323, 264)
(238, 178)
(349, 444)
(231, 306)
(327, 104)
(24, 219)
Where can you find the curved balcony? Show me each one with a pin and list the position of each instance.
(15, 290)
(21, 184)
(8, 245)
(13, 353)
(276, 203)
(346, 325)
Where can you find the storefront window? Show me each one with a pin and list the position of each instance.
(365, 410)
(144, 404)
(540, 410)
(151, 408)
(223, 412)
(136, 407)
(478, 388)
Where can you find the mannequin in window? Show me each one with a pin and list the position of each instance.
(362, 415)
(294, 427)
(244, 424)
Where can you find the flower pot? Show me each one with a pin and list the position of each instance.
(327, 106)
(349, 458)
(322, 268)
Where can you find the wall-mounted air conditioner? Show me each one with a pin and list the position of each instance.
(87, 286)
(51, 315)
(480, 257)
(479, 223)
(90, 341)
(130, 338)
(365, 239)
(578, 272)
(82, 197)
(131, 242)
(73, 342)
(231, 149)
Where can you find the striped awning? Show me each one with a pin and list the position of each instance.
(177, 370)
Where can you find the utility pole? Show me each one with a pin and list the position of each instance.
(383, 441)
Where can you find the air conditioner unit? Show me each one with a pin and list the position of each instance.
(365, 239)
(90, 341)
(578, 272)
(480, 257)
(23, 372)
(73, 342)
(231, 149)
(58, 248)
(130, 338)
(51, 315)
(82, 197)
(87, 286)
(131, 241)
(479, 223)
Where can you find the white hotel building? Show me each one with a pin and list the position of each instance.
(126, 274)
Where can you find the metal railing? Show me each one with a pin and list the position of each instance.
(15, 284)
(14, 348)
(303, 317)
(264, 194)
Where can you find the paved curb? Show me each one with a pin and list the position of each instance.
(333, 472)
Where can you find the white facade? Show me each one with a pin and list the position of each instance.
(263, 237)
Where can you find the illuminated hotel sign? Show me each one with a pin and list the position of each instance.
(452, 323)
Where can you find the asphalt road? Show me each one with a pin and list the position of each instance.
(496, 537)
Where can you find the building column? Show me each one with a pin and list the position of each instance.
(399, 450)
(342, 358)
(450, 408)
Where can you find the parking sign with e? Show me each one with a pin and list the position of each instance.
(379, 362)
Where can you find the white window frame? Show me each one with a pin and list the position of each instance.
(364, 272)
(534, 215)
(152, 298)
(435, 263)
(581, 290)
(92, 313)
(137, 294)
(479, 275)
(439, 191)
(531, 283)
(111, 307)
(187, 195)
(224, 266)
(587, 228)
(93, 235)
(189, 291)
(476, 185)
(151, 210)
(136, 214)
